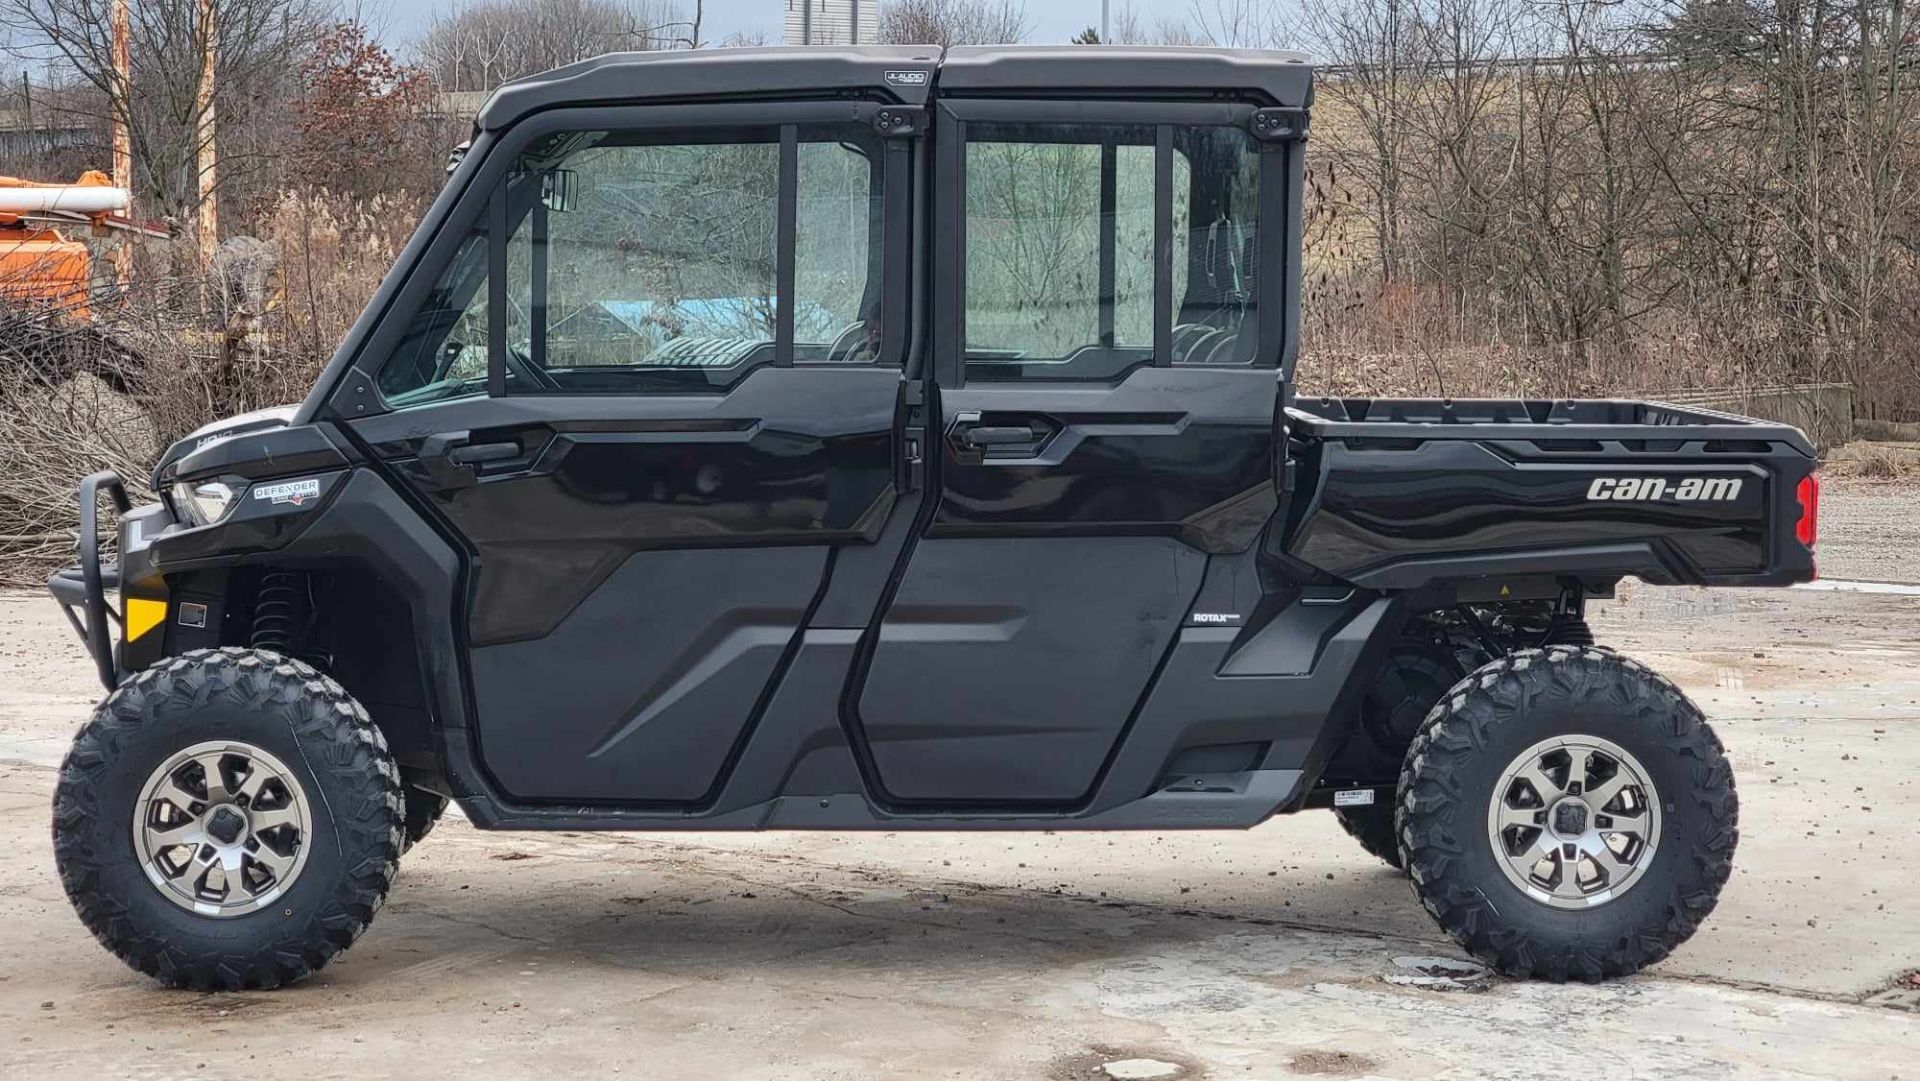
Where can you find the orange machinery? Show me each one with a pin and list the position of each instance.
(38, 265)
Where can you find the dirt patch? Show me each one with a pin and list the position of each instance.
(1331, 1063)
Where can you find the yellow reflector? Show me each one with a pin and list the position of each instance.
(144, 615)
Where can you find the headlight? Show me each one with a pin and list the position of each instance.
(203, 503)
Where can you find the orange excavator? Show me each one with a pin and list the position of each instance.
(40, 266)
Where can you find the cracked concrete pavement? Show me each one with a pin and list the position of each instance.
(1229, 955)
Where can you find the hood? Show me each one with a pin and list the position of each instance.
(278, 416)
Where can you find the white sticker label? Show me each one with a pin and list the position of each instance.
(1353, 797)
(906, 78)
(295, 492)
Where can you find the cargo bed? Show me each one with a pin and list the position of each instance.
(1404, 493)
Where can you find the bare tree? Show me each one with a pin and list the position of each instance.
(953, 22)
(258, 44)
(480, 46)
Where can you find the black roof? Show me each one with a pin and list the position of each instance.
(904, 72)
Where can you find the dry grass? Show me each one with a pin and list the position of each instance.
(154, 363)
(1873, 460)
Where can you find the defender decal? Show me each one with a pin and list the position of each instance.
(295, 492)
(1654, 489)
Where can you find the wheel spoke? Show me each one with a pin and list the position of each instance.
(233, 864)
(1603, 793)
(256, 779)
(1543, 785)
(217, 791)
(1611, 865)
(173, 792)
(1506, 817)
(272, 817)
(274, 862)
(174, 834)
(1569, 884)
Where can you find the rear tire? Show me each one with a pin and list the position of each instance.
(1372, 826)
(228, 819)
(1470, 829)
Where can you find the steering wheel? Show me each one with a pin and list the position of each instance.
(848, 342)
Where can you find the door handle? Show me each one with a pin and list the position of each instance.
(998, 436)
(476, 453)
(449, 457)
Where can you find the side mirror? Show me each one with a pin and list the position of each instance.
(560, 190)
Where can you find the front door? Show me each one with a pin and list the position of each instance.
(1108, 397)
(655, 387)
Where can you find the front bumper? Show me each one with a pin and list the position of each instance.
(82, 589)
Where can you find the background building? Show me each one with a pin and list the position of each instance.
(831, 22)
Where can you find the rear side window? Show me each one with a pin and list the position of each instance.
(1061, 245)
(1059, 238)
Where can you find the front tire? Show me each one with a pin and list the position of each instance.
(228, 819)
(1567, 814)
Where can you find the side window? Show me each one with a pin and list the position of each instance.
(444, 352)
(659, 269)
(1216, 235)
(837, 231)
(647, 262)
(1060, 248)
(662, 258)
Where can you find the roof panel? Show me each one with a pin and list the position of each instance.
(711, 73)
(1282, 75)
(1286, 78)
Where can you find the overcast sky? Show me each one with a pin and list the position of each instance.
(1053, 20)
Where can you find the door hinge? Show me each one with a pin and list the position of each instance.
(1279, 125)
(899, 121)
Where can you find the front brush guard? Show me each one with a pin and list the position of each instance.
(84, 587)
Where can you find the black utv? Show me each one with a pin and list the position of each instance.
(896, 438)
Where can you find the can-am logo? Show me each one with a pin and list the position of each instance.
(1649, 489)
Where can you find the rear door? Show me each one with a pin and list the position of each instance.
(655, 388)
(1107, 394)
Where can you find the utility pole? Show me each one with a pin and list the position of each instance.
(121, 105)
(207, 155)
(1106, 22)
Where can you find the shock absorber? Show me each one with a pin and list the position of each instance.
(1569, 624)
(280, 612)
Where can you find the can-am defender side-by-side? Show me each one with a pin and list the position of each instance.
(896, 438)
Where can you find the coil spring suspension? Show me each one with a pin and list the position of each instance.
(281, 612)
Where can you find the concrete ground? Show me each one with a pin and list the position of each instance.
(1265, 954)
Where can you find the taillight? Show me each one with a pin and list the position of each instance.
(1808, 528)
